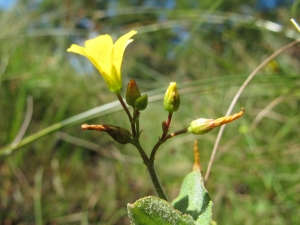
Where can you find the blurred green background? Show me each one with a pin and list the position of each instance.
(209, 48)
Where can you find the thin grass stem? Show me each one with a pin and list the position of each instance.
(238, 94)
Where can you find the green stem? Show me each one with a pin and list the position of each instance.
(151, 170)
(37, 196)
(156, 146)
(136, 115)
(128, 114)
(154, 178)
(143, 154)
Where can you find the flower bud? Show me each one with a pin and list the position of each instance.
(201, 126)
(119, 134)
(141, 102)
(172, 99)
(132, 93)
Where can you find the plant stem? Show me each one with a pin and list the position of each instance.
(128, 114)
(155, 181)
(154, 150)
(143, 154)
(168, 122)
(183, 131)
(162, 138)
(151, 170)
(136, 115)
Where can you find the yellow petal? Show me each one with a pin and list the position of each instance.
(113, 81)
(99, 51)
(119, 49)
(82, 51)
(77, 49)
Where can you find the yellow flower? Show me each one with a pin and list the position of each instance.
(106, 56)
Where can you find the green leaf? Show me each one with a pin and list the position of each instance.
(155, 211)
(194, 200)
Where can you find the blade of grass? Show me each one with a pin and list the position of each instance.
(38, 180)
(25, 123)
(90, 114)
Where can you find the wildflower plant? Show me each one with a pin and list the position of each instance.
(193, 205)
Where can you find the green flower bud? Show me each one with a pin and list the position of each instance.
(141, 102)
(201, 126)
(132, 93)
(172, 99)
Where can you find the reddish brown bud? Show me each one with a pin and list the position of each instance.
(132, 93)
(119, 134)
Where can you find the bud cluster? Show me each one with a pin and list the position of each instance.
(134, 97)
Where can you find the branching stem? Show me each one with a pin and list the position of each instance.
(162, 139)
(151, 170)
